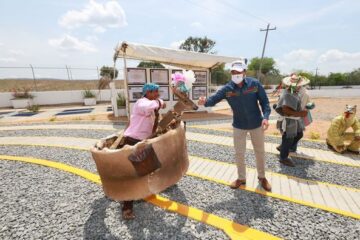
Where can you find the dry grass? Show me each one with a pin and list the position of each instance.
(7, 85)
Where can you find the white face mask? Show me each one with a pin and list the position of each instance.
(237, 78)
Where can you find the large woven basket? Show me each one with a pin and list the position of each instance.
(119, 178)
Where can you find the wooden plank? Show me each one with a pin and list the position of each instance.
(340, 201)
(329, 200)
(250, 177)
(285, 188)
(355, 196)
(305, 191)
(276, 187)
(222, 171)
(231, 174)
(349, 200)
(214, 171)
(316, 193)
(207, 169)
(193, 164)
(234, 175)
(219, 172)
(295, 189)
(201, 166)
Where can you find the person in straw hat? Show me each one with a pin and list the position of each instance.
(291, 124)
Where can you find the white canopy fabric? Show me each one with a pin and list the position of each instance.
(178, 58)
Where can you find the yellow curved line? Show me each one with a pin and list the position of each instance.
(282, 197)
(234, 230)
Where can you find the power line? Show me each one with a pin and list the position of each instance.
(246, 12)
(263, 51)
(229, 6)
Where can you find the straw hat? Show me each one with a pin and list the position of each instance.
(295, 80)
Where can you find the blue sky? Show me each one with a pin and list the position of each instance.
(309, 34)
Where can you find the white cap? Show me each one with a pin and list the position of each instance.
(238, 65)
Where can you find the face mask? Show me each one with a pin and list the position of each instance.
(237, 78)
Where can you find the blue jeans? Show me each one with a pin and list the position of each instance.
(289, 143)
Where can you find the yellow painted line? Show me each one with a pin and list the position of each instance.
(282, 197)
(273, 152)
(227, 130)
(233, 229)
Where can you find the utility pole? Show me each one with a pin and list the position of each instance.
(263, 51)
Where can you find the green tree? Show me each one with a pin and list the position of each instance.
(197, 44)
(219, 75)
(109, 72)
(336, 79)
(150, 65)
(268, 65)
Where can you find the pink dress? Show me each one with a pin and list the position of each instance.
(142, 118)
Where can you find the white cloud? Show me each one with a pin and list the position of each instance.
(300, 55)
(176, 44)
(96, 15)
(68, 42)
(8, 59)
(92, 38)
(16, 52)
(196, 25)
(99, 29)
(333, 60)
(1, 44)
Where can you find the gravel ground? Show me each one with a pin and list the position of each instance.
(80, 133)
(42, 203)
(307, 169)
(280, 218)
(270, 139)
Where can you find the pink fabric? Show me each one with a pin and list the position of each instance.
(142, 118)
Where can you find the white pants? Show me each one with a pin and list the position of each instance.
(257, 140)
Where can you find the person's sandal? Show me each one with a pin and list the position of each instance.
(128, 214)
(265, 184)
(288, 162)
(237, 183)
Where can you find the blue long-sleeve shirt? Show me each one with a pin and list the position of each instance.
(244, 102)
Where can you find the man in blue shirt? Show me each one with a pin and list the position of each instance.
(244, 94)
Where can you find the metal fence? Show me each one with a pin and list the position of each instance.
(37, 73)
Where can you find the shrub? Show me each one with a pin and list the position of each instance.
(53, 119)
(267, 87)
(120, 101)
(18, 94)
(88, 94)
(314, 135)
(33, 108)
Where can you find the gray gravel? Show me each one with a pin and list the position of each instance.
(80, 133)
(43, 203)
(307, 169)
(280, 218)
